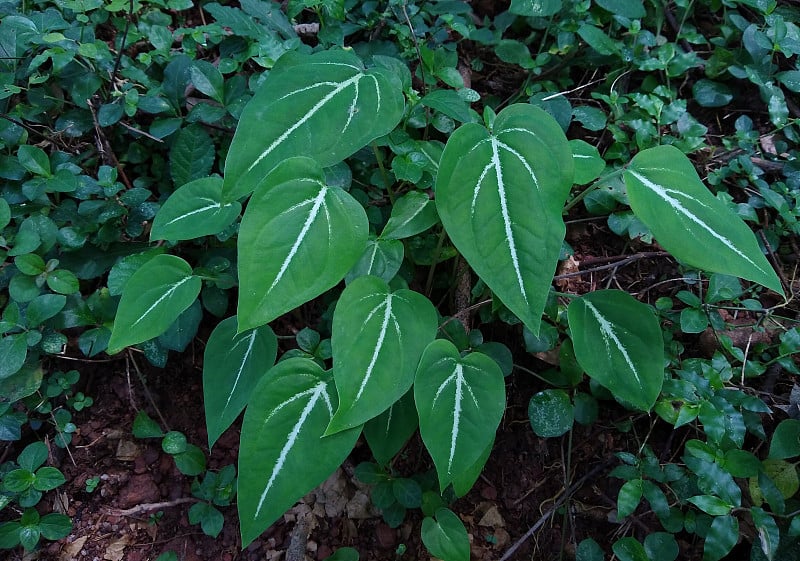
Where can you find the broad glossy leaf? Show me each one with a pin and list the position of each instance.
(500, 195)
(445, 537)
(413, 213)
(769, 534)
(233, 363)
(462, 484)
(626, 8)
(298, 238)
(629, 549)
(535, 8)
(378, 337)
(387, 433)
(194, 210)
(460, 401)
(688, 221)
(153, 298)
(191, 156)
(721, 537)
(617, 340)
(785, 440)
(283, 452)
(324, 106)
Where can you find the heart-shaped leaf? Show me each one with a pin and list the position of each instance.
(688, 221)
(153, 298)
(381, 258)
(445, 537)
(196, 209)
(233, 363)
(283, 452)
(388, 432)
(500, 195)
(460, 401)
(298, 238)
(325, 106)
(617, 340)
(412, 214)
(378, 337)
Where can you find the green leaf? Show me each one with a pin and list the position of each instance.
(463, 482)
(722, 536)
(63, 281)
(145, 427)
(5, 213)
(378, 337)
(48, 478)
(785, 441)
(26, 381)
(153, 298)
(324, 106)
(768, 533)
(500, 195)
(629, 549)
(18, 480)
(233, 363)
(191, 461)
(629, 497)
(711, 505)
(381, 258)
(55, 526)
(588, 162)
(449, 103)
(551, 413)
(589, 550)
(34, 159)
(194, 210)
(13, 351)
(174, 442)
(344, 554)
(617, 340)
(209, 518)
(208, 79)
(412, 214)
(407, 492)
(598, 40)
(43, 308)
(661, 546)
(698, 229)
(535, 8)
(633, 9)
(33, 456)
(460, 401)
(191, 156)
(445, 537)
(283, 452)
(29, 537)
(9, 535)
(30, 264)
(298, 238)
(387, 433)
(708, 93)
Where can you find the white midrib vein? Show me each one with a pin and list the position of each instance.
(246, 356)
(607, 330)
(458, 376)
(214, 205)
(318, 201)
(311, 112)
(387, 315)
(501, 191)
(677, 205)
(316, 392)
(163, 297)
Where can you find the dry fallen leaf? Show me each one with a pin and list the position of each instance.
(73, 549)
(116, 549)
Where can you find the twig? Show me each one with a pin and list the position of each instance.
(615, 264)
(552, 510)
(147, 507)
(148, 394)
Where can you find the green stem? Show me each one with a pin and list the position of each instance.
(437, 252)
(386, 183)
(613, 175)
(566, 295)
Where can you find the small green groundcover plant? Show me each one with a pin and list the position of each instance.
(496, 190)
